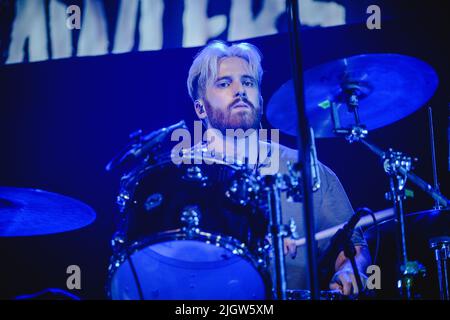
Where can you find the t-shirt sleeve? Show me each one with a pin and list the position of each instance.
(335, 204)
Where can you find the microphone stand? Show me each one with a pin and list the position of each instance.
(342, 240)
(304, 146)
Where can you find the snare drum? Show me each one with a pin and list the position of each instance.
(190, 231)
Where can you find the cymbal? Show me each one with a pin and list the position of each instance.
(420, 226)
(389, 88)
(31, 212)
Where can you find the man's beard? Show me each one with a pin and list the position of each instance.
(228, 119)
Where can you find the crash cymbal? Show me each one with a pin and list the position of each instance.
(31, 212)
(389, 87)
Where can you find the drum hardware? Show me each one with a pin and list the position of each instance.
(245, 188)
(293, 229)
(437, 205)
(118, 241)
(195, 174)
(190, 217)
(359, 92)
(411, 272)
(421, 227)
(122, 199)
(397, 166)
(143, 146)
(376, 83)
(277, 234)
(328, 295)
(290, 183)
(441, 247)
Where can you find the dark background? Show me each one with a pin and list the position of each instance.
(61, 122)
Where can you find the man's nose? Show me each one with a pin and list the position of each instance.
(240, 91)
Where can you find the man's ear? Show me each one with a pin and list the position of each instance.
(200, 109)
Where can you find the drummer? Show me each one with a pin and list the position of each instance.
(224, 83)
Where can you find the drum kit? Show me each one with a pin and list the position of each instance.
(203, 231)
(210, 230)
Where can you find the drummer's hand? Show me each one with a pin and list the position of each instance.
(290, 247)
(344, 281)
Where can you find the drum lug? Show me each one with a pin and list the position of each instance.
(190, 218)
(244, 189)
(118, 241)
(195, 174)
(122, 200)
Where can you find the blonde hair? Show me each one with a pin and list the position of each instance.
(204, 67)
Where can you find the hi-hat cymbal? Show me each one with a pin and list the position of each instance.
(31, 212)
(390, 87)
(420, 226)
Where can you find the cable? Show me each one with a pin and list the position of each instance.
(135, 276)
(377, 231)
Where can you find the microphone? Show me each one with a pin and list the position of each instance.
(344, 234)
(162, 133)
(340, 241)
(144, 146)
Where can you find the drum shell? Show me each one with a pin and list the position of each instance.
(174, 192)
(157, 195)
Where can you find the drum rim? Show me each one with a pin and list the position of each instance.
(226, 242)
(130, 181)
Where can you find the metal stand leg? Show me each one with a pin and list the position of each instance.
(402, 256)
(441, 247)
(277, 233)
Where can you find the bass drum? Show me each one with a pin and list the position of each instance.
(190, 231)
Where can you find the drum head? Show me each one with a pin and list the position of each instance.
(187, 270)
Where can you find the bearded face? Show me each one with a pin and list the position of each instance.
(240, 114)
(233, 100)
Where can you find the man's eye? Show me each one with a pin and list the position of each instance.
(223, 84)
(249, 83)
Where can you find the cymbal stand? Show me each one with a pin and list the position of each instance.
(397, 166)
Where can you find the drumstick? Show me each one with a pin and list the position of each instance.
(366, 220)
